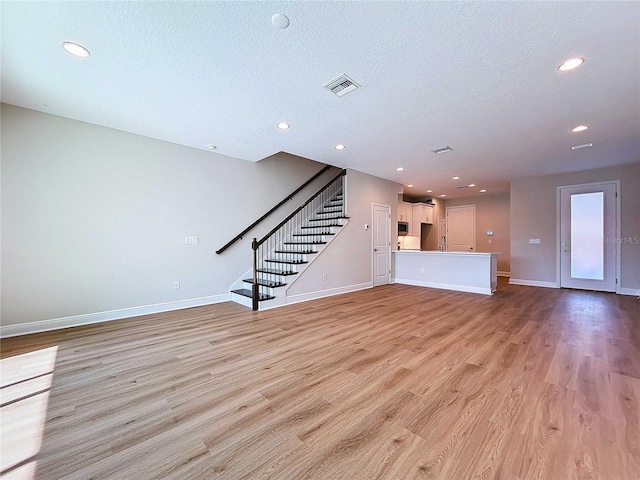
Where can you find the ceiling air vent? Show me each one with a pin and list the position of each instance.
(444, 149)
(341, 85)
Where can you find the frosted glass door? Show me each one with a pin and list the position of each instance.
(587, 237)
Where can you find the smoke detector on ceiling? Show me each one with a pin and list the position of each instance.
(341, 85)
(445, 149)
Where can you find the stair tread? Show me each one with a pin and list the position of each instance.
(325, 219)
(312, 234)
(275, 271)
(302, 252)
(286, 262)
(247, 293)
(304, 243)
(322, 226)
(265, 283)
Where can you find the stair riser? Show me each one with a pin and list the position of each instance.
(242, 300)
(290, 256)
(269, 291)
(319, 222)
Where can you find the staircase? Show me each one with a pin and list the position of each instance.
(281, 256)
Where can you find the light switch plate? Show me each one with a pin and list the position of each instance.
(191, 240)
(534, 241)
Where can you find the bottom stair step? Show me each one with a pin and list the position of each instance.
(247, 293)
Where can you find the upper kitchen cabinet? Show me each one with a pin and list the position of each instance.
(405, 212)
(423, 213)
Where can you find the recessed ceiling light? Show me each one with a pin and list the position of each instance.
(429, 191)
(580, 128)
(283, 125)
(75, 49)
(410, 185)
(584, 145)
(471, 185)
(571, 64)
(399, 169)
(211, 147)
(482, 191)
(456, 178)
(340, 147)
(280, 21)
(443, 195)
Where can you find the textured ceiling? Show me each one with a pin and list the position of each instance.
(478, 76)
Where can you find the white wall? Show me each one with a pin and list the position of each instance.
(533, 215)
(347, 262)
(94, 219)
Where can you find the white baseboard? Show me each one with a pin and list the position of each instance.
(504, 274)
(532, 283)
(629, 291)
(98, 317)
(444, 286)
(305, 297)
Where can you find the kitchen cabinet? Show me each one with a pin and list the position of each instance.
(423, 213)
(415, 214)
(405, 213)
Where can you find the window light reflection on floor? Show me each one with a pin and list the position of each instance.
(25, 383)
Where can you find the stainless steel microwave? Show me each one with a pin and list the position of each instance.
(403, 228)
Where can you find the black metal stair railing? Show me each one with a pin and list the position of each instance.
(286, 199)
(277, 255)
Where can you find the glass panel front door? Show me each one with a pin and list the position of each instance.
(587, 236)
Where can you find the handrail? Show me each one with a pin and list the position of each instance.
(289, 197)
(256, 244)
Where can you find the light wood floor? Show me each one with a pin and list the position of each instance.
(395, 382)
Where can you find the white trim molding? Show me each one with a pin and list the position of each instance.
(444, 286)
(533, 283)
(99, 317)
(629, 291)
(304, 297)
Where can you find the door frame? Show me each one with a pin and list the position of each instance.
(617, 220)
(373, 256)
(442, 232)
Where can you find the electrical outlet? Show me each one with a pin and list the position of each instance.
(422, 270)
(176, 285)
(324, 277)
(191, 240)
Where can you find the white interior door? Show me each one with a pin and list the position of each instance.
(461, 228)
(381, 244)
(587, 237)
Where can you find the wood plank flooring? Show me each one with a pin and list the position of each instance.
(395, 382)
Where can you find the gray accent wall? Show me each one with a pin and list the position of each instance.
(94, 219)
(534, 215)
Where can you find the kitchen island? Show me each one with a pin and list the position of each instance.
(462, 271)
